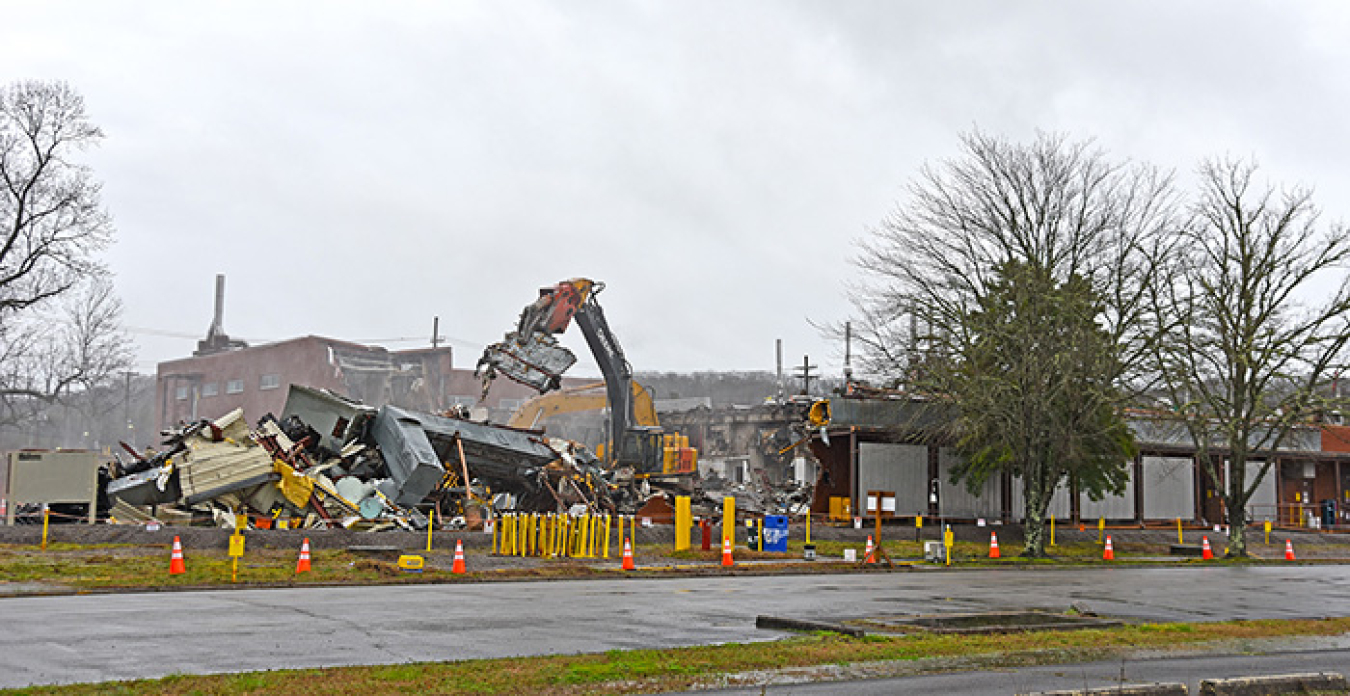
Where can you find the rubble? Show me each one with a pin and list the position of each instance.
(330, 461)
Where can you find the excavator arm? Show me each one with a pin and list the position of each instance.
(532, 356)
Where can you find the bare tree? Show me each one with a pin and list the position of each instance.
(1248, 360)
(1055, 211)
(52, 225)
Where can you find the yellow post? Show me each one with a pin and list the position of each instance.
(549, 523)
(1267, 525)
(1179, 538)
(522, 533)
(46, 515)
(586, 535)
(684, 519)
(431, 518)
(808, 525)
(550, 526)
(1101, 530)
(759, 523)
(595, 536)
(948, 540)
(1052, 530)
(729, 520)
(514, 526)
(606, 535)
(494, 536)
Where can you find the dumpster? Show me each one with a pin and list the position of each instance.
(775, 533)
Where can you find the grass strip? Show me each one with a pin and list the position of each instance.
(650, 671)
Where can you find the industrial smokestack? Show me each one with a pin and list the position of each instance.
(216, 339)
(218, 321)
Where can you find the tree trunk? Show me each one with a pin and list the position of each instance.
(1237, 530)
(1037, 494)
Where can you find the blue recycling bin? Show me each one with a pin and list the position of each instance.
(775, 533)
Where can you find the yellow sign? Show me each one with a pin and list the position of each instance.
(918, 521)
(236, 545)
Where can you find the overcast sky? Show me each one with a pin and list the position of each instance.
(356, 169)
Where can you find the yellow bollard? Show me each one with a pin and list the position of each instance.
(949, 540)
(547, 533)
(607, 535)
(584, 545)
(46, 515)
(684, 519)
(729, 520)
(431, 519)
(1267, 525)
(1052, 530)
(1101, 530)
(1182, 541)
(808, 526)
(495, 523)
(522, 533)
(759, 524)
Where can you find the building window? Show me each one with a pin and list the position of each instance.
(210, 389)
(510, 404)
(269, 382)
(234, 386)
(181, 394)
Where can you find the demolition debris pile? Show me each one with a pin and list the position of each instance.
(329, 462)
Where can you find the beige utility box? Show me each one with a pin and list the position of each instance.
(50, 477)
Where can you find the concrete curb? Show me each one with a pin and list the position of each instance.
(1277, 684)
(786, 624)
(1162, 689)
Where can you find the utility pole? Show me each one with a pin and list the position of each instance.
(780, 368)
(126, 407)
(805, 376)
(848, 357)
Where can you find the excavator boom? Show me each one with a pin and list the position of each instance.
(532, 355)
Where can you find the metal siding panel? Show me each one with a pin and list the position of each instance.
(1112, 507)
(1169, 488)
(956, 501)
(899, 468)
(1262, 504)
(1059, 509)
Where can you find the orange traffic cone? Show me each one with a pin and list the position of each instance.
(1289, 550)
(1205, 552)
(176, 566)
(628, 555)
(727, 560)
(457, 567)
(869, 555)
(993, 545)
(302, 565)
(1110, 553)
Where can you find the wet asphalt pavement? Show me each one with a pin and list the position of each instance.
(121, 636)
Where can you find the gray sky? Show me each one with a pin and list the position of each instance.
(358, 168)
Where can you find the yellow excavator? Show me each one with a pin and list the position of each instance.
(576, 413)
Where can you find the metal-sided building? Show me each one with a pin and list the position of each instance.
(877, 445)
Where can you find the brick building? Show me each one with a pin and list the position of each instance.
(212, 383)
